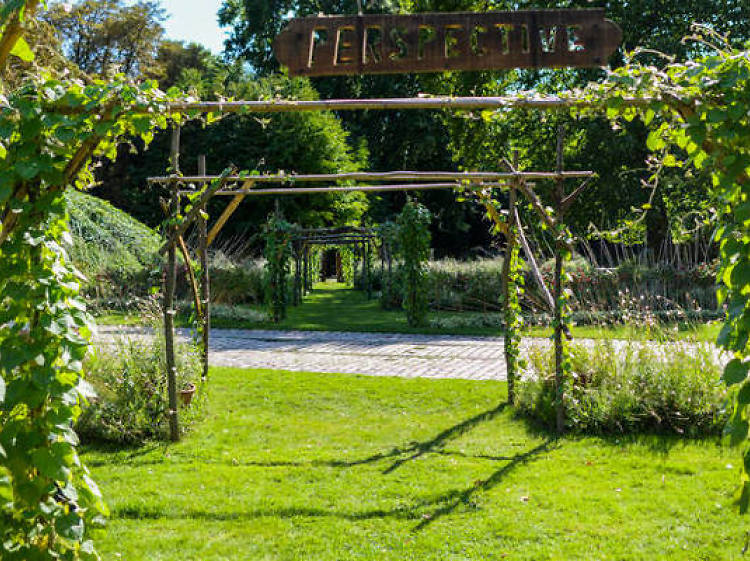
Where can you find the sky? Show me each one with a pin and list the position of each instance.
(195, 20)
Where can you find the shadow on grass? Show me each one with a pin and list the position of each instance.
(426, 511)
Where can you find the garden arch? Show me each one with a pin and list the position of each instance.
(480, 184)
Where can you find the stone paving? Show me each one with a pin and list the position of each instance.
(374, 354)
(377, 354)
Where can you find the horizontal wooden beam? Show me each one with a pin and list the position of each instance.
(377, 176)
(455, 103)
(340, 189)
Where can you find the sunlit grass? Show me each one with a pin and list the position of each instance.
(299, 466)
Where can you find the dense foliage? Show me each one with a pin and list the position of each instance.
(131, 404)
(50, 129)
(621, 388)
(699, 114)
(278, 252)
(117, 254)
(414, 249)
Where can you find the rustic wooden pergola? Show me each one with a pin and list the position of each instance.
(239, 187)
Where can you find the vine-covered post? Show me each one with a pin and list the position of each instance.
(561, 250)
(297, 274)
(169, 288)
(368, 283)
(511, 307)
(278, 250)
(414, 246)
(306, 269)
(205, 278)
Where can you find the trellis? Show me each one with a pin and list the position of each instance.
(240, 186)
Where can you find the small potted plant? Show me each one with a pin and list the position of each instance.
(186, 393)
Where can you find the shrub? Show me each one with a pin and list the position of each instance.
(130, 381)
(118, 254)
(629, 387)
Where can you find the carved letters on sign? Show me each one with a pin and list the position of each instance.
(381, 44)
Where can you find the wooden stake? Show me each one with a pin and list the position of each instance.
(169, 312)
(205, 277)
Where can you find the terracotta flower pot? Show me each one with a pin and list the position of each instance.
(186, 394)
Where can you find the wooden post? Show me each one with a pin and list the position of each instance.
(169, 312)
(389, 258)
(511, 361)
(368, 284)
(306, 268)
(205, 278)
(560, 248)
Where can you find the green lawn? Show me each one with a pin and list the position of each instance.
(300, 466)
(334, 307)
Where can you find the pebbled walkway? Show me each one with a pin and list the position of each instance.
(375, 354)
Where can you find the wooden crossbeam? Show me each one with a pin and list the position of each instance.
(382, 104)
(383, 176)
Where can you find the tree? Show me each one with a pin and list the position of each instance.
(178, 64)
(289, 142)
(102, 36)
(421, 140)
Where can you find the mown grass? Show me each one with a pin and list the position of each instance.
(300, 466)
(334, 307)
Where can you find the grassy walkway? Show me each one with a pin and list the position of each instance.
(296, 466)
(334, 307)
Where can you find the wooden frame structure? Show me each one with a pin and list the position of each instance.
(241, 186)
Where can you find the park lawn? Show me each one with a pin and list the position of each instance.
(334, 307)
(328, 467)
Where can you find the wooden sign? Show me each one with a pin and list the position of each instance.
(438, 42)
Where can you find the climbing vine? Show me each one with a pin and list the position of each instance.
(698, 113)
(513, 319)
(278, 235)
(414, 247)
(347, 263)
(50, 129)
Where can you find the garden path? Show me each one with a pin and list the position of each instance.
(430, 356)
(374, 354)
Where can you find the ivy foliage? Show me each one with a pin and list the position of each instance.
(50, 129)
(414, 248)
(698, 113)
(278, 234)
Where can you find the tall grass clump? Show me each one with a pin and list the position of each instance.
(236, 280)
(619, 387)
(129, 377)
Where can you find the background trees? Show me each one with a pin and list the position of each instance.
(97, 34)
